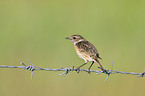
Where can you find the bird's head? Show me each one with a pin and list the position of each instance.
(75, 38)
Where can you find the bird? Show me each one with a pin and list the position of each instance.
(86, 51)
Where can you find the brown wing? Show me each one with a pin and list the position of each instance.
(86, 46)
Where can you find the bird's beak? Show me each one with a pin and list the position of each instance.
(68, 38)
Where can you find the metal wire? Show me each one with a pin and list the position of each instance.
(67, 70)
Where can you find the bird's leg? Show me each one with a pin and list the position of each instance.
(90, 67)
(78, 68)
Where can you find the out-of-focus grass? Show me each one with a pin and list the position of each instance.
(35, 30)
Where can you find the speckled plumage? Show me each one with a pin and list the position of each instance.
(85, 47)
(86, 50)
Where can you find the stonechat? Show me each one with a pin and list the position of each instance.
(86, 51)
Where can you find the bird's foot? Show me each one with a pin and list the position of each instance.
(105, 71)
(77, 70)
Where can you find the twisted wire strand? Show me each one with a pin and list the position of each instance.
(67, 70)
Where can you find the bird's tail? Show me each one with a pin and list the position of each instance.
(101, 67)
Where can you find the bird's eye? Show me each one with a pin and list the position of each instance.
(74, 37)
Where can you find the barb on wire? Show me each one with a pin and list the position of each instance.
(109, 72)
(67, 70)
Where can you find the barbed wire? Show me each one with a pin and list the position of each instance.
(67, 70)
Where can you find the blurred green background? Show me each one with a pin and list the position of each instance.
(35, 30)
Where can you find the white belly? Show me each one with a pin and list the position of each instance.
(84, 56)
